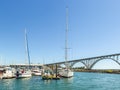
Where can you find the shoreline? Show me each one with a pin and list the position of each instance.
(110, 71)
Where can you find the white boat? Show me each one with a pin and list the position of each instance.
(36, 72)
(23, 74)
(66, 72)
(8, 73)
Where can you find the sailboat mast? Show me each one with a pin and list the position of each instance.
(66, 36)
(27, 48)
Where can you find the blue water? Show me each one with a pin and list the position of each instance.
(80, 81)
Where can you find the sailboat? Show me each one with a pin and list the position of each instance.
(25, 72)
(66, 72)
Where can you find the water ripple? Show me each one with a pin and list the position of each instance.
(80, 81)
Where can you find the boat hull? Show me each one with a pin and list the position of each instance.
(24, 76)
(8, 73)
(66, 73)
(36, 74)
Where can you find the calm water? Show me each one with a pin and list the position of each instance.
(80, 81)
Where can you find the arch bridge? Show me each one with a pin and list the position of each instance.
(90, 62)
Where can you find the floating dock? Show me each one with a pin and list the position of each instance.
(50, 77)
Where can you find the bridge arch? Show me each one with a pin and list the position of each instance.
(82, 62)
(78, 64)
(113, 59)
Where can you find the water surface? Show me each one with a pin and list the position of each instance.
(80, 81)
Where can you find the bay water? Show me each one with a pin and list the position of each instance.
(80, 81)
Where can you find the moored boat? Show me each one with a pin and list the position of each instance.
(23, 74)
(67, 73)
(8, 73)
(36, 72)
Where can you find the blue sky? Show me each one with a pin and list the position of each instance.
(94, 30)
